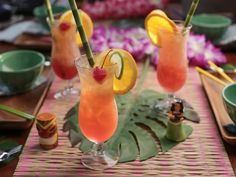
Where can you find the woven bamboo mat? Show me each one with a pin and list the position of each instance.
(202, 154)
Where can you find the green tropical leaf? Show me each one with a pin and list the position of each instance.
(141, 127)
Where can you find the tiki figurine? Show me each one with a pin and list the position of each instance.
(175, 130)
(47, 130)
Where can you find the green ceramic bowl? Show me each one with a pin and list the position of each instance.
(229, 97)
(20, 68)
(40, 13)
(211, 25)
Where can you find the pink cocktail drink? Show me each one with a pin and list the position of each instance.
(172, 67)
(64, 50)
(63, 55)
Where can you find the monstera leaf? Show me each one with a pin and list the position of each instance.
(141, 126)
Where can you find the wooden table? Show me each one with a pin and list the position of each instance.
(21, 136)
(32, 105)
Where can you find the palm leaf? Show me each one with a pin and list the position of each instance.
(141, 127)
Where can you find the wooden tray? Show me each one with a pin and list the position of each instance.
(23, 102)
(213, 92)
(33, 41)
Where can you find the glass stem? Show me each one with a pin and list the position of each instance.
(171, 97)
(98, 148)
(69, 84)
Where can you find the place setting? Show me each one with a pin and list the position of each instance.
(155, 98)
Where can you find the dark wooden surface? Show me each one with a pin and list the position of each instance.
(29, 102)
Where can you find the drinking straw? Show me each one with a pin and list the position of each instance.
(83, 36)
(200, 70)
(49, 10)
(220, 71)
(190, 14)
(16, 112)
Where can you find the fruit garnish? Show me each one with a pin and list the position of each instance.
(126, 72)
(155, 21)
(64, 26)
(116, 58)
(99, 74)
(86, 21)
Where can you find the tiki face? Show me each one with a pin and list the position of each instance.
(47, 130)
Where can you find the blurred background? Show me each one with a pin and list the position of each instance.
(120, 14)
(177, 8)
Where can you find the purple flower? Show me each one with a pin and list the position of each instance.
(136, 41)
(199, 51)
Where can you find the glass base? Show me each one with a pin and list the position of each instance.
(66, 92)
(99, 158)
(165, 104)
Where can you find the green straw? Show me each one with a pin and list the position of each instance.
(83, 36)
(49, 11)
(17, 112)
(190, 14)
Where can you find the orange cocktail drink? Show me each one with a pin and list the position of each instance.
(63, 55)
(114, 72)
(64, 50)
(172, 67)
(171, 38)
(98, 115)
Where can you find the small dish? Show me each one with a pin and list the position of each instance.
(41, 13)
(229, 98)
(211, 25)
(20, 68)
(5, 91)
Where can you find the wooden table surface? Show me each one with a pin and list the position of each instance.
(21, 135)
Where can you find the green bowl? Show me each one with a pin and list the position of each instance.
(20, 68)
(229, 98)
(40, 13)
(211, 25)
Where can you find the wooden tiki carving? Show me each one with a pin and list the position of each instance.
(47, 129)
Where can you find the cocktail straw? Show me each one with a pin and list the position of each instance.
(16, 112)
(190, 14)
(220, 71)
(200, 70)
(83, 36)
(49, 11)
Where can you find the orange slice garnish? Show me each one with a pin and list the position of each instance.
(127, 72)
(86, 22)
(156, 20)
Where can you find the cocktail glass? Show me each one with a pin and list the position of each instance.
(98, 115)
(63, 55)
(172, 66)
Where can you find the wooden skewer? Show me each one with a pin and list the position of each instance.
(200, 70)
(220, 71)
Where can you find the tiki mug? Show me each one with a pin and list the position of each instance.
(47, 130)
(175, 130)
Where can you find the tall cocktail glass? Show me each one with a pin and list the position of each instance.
(63, 55)
(172, 66)
(98, 115)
